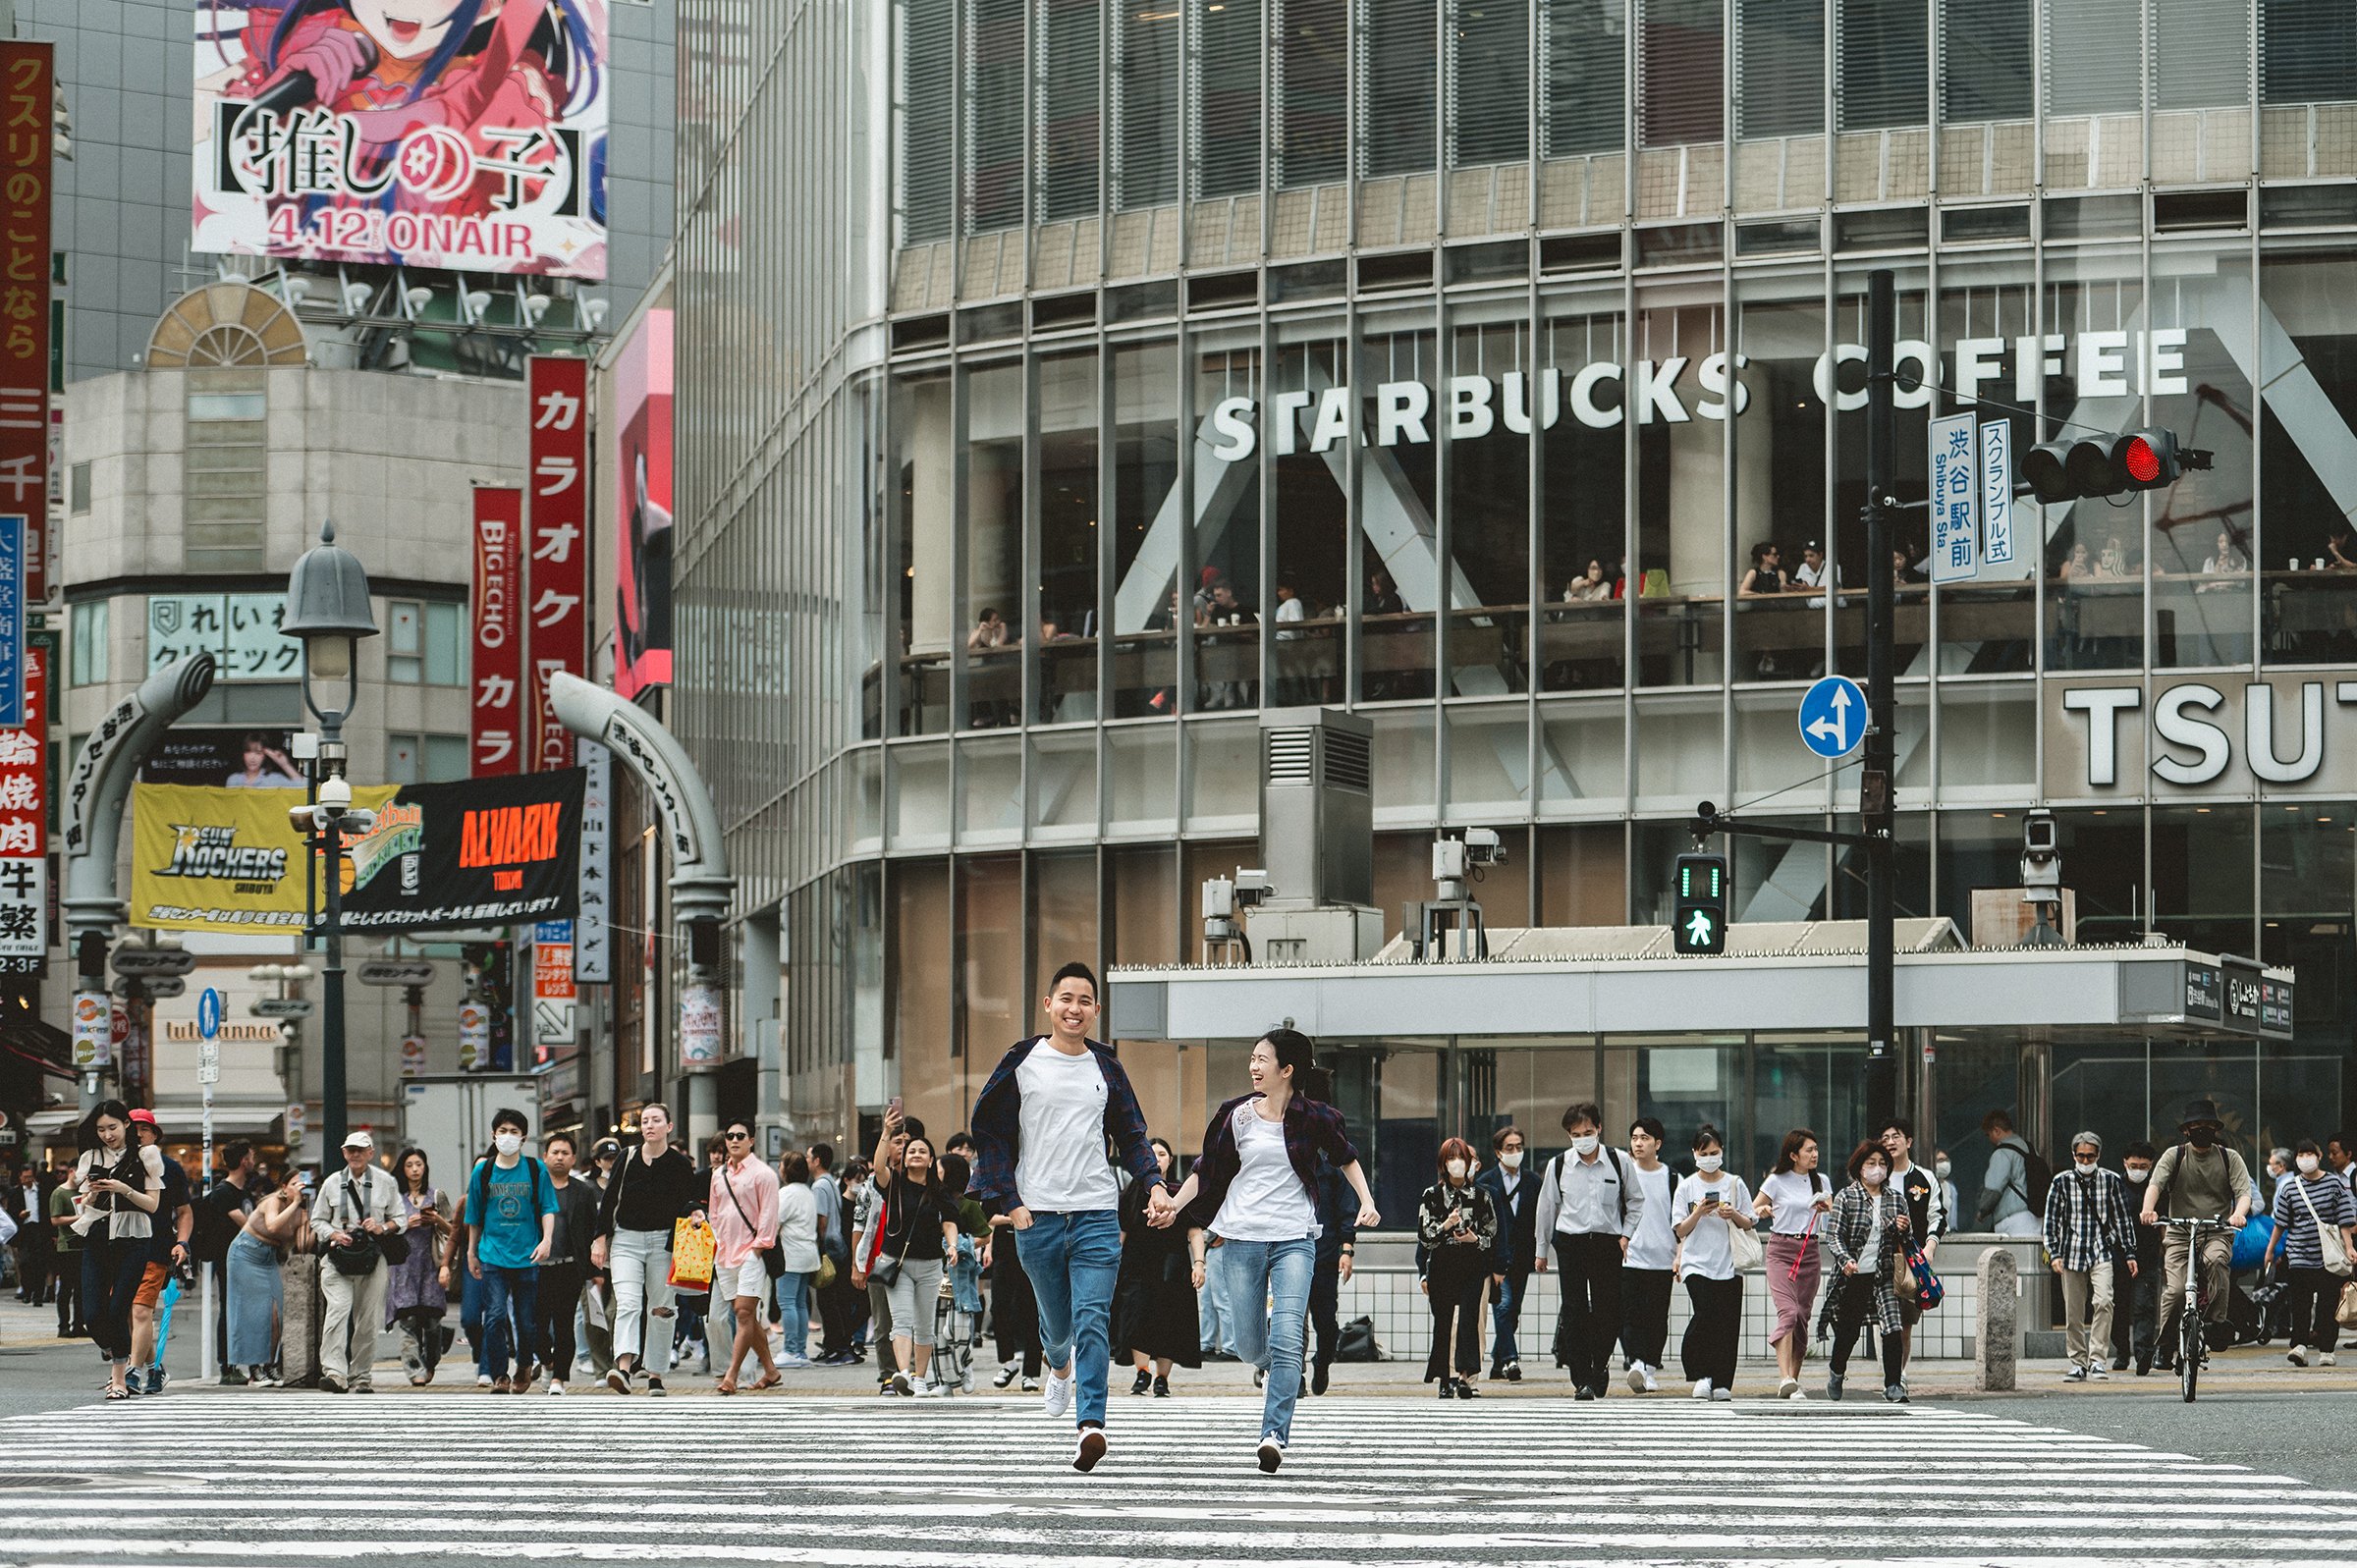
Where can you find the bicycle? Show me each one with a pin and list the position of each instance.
(2193, 1347)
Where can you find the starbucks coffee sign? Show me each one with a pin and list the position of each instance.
(2215, 735)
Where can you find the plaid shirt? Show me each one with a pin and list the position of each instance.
(2087, 1219)
(999, 1126)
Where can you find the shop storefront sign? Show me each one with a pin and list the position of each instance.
(2213, 735)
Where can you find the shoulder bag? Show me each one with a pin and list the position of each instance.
(773, 1255)
(2329, 1250)
(888, 1269)
(357, 1258)
(1743, 1248)
(393, 1244)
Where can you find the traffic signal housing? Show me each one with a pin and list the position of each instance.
(1698, 911)
(2086, 467)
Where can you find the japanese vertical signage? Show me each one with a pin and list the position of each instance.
(1956, 495)
(552, 987)
(27, 102)
(15, 530)
(1997, 492)
(592, 933)
(556, 519)
(495, 742)
(24, 822)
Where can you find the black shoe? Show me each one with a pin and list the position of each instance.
(1513, 1372)
(1833, 1386)
(1317, 1378)
(1448, 1388)
(1143, 1381)
(1496, 1375)
(1584, 1396)
(1162, 1388)
(2119, 1363)
(1465, 1390)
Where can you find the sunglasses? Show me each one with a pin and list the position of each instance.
(736, 1137)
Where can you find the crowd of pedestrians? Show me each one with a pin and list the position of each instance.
(1098, 1248)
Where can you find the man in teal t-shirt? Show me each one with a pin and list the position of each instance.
(511, 1223)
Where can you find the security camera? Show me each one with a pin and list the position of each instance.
(2041, 855)
(1482, 848)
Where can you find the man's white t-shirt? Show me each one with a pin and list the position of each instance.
(1060, 1167)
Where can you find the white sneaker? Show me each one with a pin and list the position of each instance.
(1089, 1449)
(1790, 1388)
(556, 1385)
(1272, 1454)
(931, 1391)
(1636, 1377)
(1702, 1387)
(792, 1362)
(2326, 1360)
(1652, 1386)
(482, 1380)
(2297, 1356)
(1056, 1397)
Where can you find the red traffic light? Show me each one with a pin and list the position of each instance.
(2140, 463)
(2093, 467)
(2148, 458)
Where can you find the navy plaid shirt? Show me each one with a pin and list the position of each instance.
(999, 1126)
(2087, 1219)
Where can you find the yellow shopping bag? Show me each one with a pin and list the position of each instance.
(691, 1255)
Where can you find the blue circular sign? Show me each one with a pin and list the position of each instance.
(208, 1013)
(1833, 717)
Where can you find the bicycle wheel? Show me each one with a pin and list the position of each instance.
(2189, 1352)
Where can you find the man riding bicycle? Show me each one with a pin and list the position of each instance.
(2198, 1178)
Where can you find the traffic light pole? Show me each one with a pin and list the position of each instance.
(1875, 781)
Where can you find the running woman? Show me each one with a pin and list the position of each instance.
(1040, 1127)
(1256, 1185)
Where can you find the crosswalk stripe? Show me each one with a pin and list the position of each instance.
(984, 1484)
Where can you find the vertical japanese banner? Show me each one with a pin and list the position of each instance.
(552, 989)
(557, 565)
(23, 823)
(497, 631)
(1997, 493)
(15, 532)
(1955, 494)
(593, 935)
(27, 102)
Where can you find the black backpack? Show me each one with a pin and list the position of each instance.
(2038, 1177)
(214, 1229)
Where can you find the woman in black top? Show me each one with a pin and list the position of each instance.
(919, 1233)
(119, 1186)
(1459, 1230)
(1154, 1301)
(654, 1187)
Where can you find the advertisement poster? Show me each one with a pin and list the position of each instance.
(26, 97)
(468, 134)
(497, 634)
(24, 822)
(643, 509)
(240, 629)
(207, 858)
(225, 759)
(557, 553)
(476, 852)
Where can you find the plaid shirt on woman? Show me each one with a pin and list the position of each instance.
(2087, 1219)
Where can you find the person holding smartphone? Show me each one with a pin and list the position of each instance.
(119, 1187)
(1711, 1203)
(1795, 1200)
(1457, 1225)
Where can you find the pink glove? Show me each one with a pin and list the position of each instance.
(333, 58)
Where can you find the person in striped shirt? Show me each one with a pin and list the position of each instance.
(2306, 1202)
(2088, 1228)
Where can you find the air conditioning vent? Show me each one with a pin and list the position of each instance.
(1292, 756)
(1348, 764)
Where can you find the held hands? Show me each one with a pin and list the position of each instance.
(1161, 1212)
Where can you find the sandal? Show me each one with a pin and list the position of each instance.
(769, 1379)
(113, 1394)
(723, 1387)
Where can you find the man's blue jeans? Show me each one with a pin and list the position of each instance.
(1505, 1316)
(510, 1296)
(1071, 1261)
(1277, 1272)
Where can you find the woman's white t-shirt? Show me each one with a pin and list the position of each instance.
(1795, 1196)
(1266, 1202)
(798, 1227)
(1706, 1251)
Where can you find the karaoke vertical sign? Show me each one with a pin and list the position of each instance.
(556, 563)
(27, 103)
(496, 740)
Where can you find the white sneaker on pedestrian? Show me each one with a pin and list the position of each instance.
(902, 1386)
(1272, 1454)
(1030, 1385)
(1089, 1449)
(556, 1385)
(482, 1380)
(1636, 1377)
(1720, 1396)
(792, 1362)
(1652, 1384)
(1057, 1398)
(2326, 1360)
(932, 1390)
(1702, 1387)
(1788, 1390)
(2297, 1355)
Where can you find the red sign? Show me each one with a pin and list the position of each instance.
(557, 580)
(24, 822)
(27, 101)
(500, 705)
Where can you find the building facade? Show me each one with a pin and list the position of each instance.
(1107, 373)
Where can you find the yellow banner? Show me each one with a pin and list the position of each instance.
(211, 859)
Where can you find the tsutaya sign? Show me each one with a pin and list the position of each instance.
(1680, 389)
(2220, 734)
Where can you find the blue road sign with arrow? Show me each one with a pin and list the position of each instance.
(208, 1013)
(1833, 717)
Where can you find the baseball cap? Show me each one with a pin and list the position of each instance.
(143, 1114)
(358, 1140)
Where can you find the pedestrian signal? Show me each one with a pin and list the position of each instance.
(1698, 911)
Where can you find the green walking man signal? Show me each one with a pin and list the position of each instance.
(1698, 913)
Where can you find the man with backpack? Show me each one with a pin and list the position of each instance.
(2197, 1178)
(511, 1231)
(1589, 1207)
(220, 1214)
(2014, 1192)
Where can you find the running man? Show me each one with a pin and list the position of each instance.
(1040, 1126)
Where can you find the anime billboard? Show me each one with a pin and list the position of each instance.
(643, 509)
(460, 134)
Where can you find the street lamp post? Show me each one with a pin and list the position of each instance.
(327, 607)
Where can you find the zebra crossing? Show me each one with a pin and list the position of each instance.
(983, 1482)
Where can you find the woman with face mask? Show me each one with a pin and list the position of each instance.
(2310, 1205)
(1868, 1224)
(1257, 1183)
(1709, 1205)
(1458, 1226)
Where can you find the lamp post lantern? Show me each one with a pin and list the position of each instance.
(327, 607)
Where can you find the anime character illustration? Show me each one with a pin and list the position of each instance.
(461, 134)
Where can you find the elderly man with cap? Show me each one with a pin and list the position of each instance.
(356, 1209)
(2087, 1230)
(2197, 1178)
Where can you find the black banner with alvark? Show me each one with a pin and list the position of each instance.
(476, 852)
